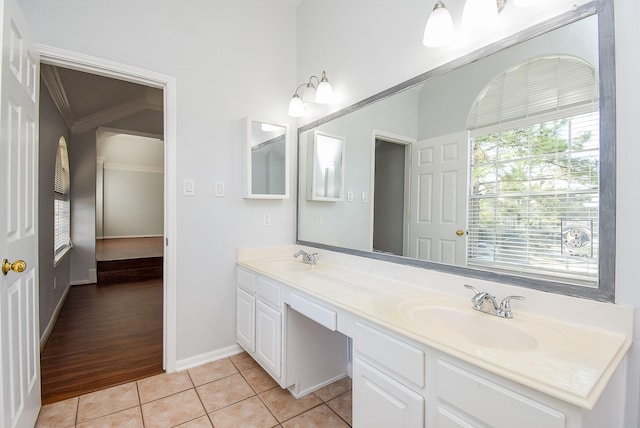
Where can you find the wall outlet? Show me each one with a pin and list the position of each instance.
(218, 189)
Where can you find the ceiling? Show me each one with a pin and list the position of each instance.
(89, 101)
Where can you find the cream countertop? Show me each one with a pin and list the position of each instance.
(576, 350)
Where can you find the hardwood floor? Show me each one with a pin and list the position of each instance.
(128, 248)
(104, 336)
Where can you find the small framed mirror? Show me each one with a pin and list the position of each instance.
(327, 159)
(267, 160)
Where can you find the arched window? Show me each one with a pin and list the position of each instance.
(61, 203)
(534, 179)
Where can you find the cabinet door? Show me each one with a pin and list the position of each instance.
(381, 402)
(245, 320)
(269, 338)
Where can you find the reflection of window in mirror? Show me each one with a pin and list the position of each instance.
(328, 167)
(534, 174)
(267, 160)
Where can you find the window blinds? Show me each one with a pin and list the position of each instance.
(536, 87)
(61, 204)
(534, 182)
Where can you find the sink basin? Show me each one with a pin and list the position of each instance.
(477, 328)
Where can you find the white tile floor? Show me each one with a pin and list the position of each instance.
(232, 392)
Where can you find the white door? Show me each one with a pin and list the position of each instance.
(437, 229)
(19, 343)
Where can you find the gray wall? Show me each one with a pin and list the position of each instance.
(82, 165)
(53, 281)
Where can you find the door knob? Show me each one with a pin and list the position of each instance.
(459, 232)
(17, 266)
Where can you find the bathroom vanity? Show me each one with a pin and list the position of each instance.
(421, 356)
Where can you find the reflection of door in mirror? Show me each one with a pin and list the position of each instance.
(389, 203)
(328, 167)
(438, 202)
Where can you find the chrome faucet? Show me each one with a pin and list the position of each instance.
(308, 258)
(485, 302)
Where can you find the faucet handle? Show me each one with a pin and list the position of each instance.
(505, 306)
(471, 287)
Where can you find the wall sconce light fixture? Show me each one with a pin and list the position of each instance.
(476, 14)
(439, 28)
(319, 92)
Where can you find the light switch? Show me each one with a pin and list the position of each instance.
(365, 196)
(218, 190)
(188, 187)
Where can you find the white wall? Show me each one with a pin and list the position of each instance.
(129, 186)
(363, 56)
(627, 13)
(231, 59)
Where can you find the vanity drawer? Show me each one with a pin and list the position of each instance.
(312, 310)
(269, 291)
(392, 353)
(491, 403)
(246, 280)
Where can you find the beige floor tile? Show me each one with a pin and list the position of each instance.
(342, 406)
(249, 413)
(334, 389)
(212, 371)
(259, 380)
(163, 385)
(173, 410)
(224, 392)
(130, 418)
(107, 401)
(243, 361)
(319, 417)
(285, 406)
(57, 415)
(201, 422)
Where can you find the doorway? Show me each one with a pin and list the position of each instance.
(166, 84)
(389, 202)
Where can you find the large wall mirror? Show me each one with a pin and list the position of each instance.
(267, 162)
(499, 165)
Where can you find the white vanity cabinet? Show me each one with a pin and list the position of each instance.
(291, 335)
(388, 380)
(401, 383)
(259, 321)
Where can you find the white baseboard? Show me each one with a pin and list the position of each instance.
(54, 318)
(207, 357)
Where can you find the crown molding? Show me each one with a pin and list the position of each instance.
(52, 81)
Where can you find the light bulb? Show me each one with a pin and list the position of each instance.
(296, 106)
(324, 93)
(439, 28)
